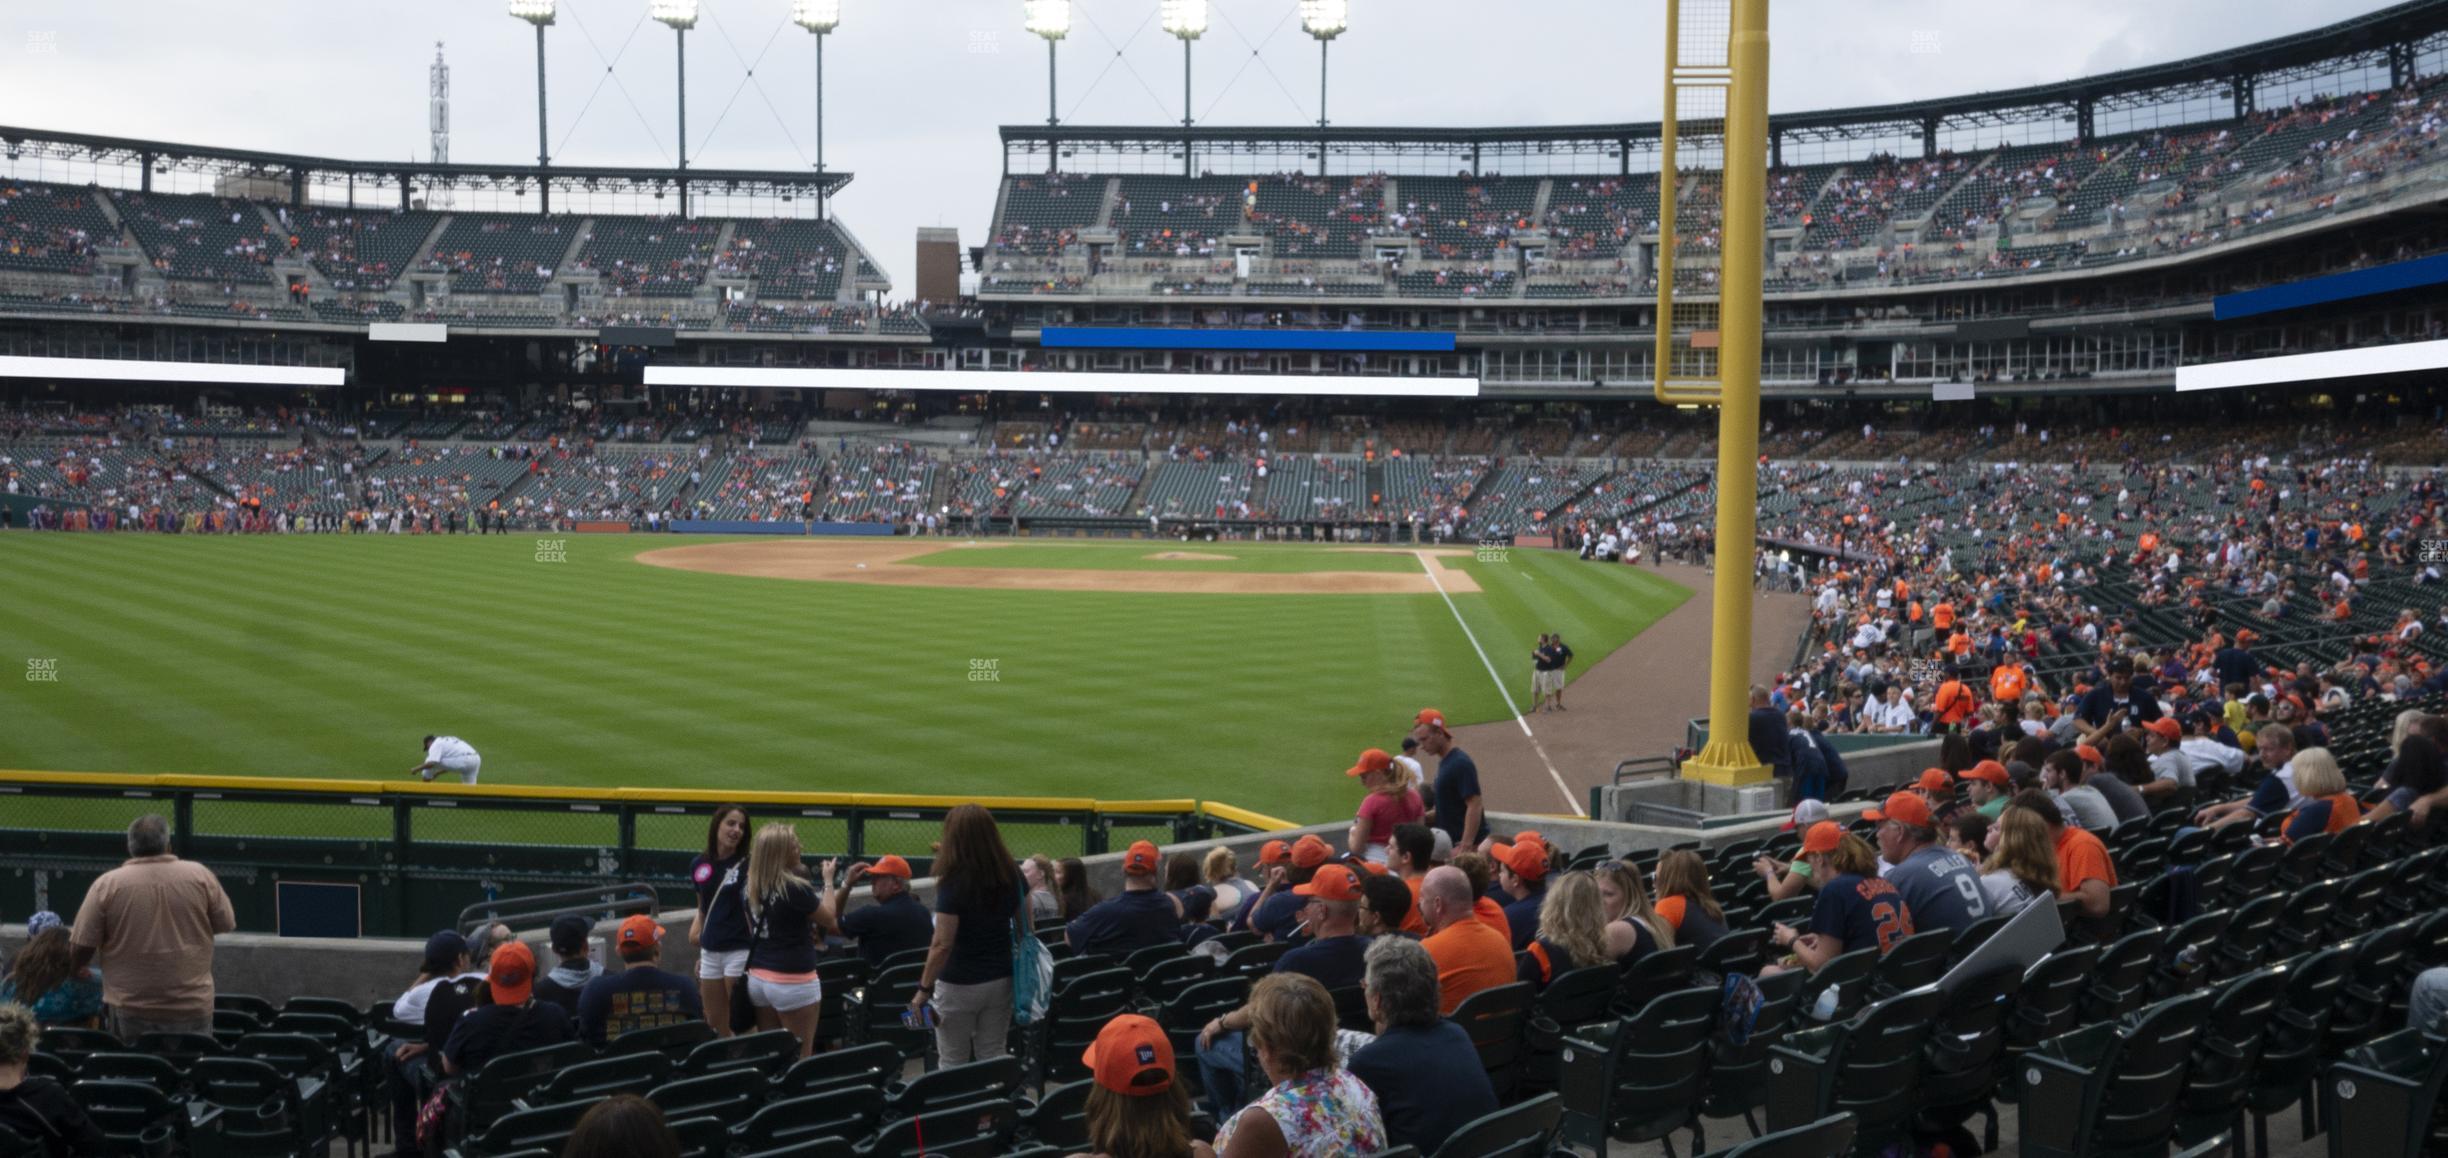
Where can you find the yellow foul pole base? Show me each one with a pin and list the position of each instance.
(1728, 758)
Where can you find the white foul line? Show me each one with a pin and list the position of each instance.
(1501, 690)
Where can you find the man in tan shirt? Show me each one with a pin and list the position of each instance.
(150, 924)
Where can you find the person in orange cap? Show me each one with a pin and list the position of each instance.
(1390, 801)
(640, 996)
(1521, 872)
(895, 923)
(1330, 910)
(1454, 805)
(1276, 914)
(1136, 1107)
(1139, 916)
(514, 1020)
(1940, 888)
(1990, 786)
(1855, 909)
(2171, 769)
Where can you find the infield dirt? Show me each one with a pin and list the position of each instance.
(885, 563)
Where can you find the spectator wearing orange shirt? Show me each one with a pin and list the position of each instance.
(1469, 954)
(2085, 873)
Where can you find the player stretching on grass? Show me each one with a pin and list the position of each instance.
(448, 754)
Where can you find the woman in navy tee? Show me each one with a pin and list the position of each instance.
(720, 929)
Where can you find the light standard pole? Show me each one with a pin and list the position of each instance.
(539, 13)
(680, 15)
(1186, 19)
(820, 17)
(1324, 19)
(1050, 19)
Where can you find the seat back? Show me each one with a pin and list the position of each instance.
(1915, 961)
(1520, 1131)
(702, 1136)
(1255, 961)
(1875, 1058)
(975, 1130)
(1577, 997)
(768, 1053)
(181, 1049)
(845, 1113)
(143, 1068)
(877, 1016)
(633, 1073)
(539, 1128)
(2121, 980)
(135, 1118)
(1967, 1041)
(1737, 951)
(1655, 975)
(2303, 921)
(2246, 945)
(487, 1094)
(1826, 1138)
(729, 1097)
(1644, 1082)
(956, 1086)
(2144, 1075)
(2229, 1049)
(1073, 1017)
(1498, 1022)
(2187, 951)
(1060, 1118)
(1848, 974)
(2381, 1101)
(866, 1067)
(672, 1041)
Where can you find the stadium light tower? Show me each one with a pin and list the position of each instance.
(820, 17)
(1050, 19)
(1324, 19)
(680, 15)
(539, 13)
(1186, 19)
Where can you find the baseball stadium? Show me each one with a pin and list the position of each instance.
(1216, 653)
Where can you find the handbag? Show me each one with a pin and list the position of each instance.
(1032, 968)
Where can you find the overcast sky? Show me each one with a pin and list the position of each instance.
(915, 88)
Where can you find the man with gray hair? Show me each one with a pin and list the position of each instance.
(150, 925)
(1423, 1068)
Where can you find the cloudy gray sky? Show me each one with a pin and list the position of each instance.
(915, 88)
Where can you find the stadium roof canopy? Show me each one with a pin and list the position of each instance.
(312, 178)
(2395, 39)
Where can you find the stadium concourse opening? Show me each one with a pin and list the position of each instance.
(893, 563)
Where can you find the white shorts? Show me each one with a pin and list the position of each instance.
(784, 996)
(466, 769)
(722, 964)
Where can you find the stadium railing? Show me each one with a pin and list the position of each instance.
(329, 857)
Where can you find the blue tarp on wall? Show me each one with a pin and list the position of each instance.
(2337, 287)
(1150, 338)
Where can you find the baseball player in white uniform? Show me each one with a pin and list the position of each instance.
(448, 754)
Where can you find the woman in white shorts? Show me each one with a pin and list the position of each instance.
(787, 914)
(720, 929)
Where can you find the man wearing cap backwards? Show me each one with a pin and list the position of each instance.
(1424, 1070)
(1990, 786)
(1940, 888)
(407, 1062)
(895, 923)
(572, 944)
(1330, 906)
(513, 1022)
(1470, 954)
(640, 996)
(1275, 915)
(1139, 916)
(1521, 873)
(1456, 807)
(1136, 1102)
(2171, 769)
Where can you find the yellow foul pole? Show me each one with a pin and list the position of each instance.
(1728, 758)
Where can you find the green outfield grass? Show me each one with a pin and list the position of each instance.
(333, 655)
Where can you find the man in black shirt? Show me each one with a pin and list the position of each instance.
(513, 1022)
(572, 942)
(1140, 916)
(2122, 700)
(895, 923)
(1767, 733)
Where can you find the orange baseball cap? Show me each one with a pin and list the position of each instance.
(1991, 771)
(889, 866)
(512, 975)
(1141, 859)
(1822, 837)
(1903, 808)
(1374, 868)
(2169, 730)
(1310, 852)
(1131, 1056)
(1274, 852)
(641, 930)
(1371, 760)
(1333, 882)
(1935, 780)
(2089, 754)
(1430, 716)
(1527, 859)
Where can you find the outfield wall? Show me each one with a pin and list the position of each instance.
(772, 527)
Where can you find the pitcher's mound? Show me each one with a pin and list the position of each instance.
(1190, 557)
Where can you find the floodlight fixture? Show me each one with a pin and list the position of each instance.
(1185, 18)
(536, 12)
(680, 15)
(1325, 19)
(1048, 18)
(817, 16)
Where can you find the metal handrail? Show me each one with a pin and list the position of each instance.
(542, 909)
